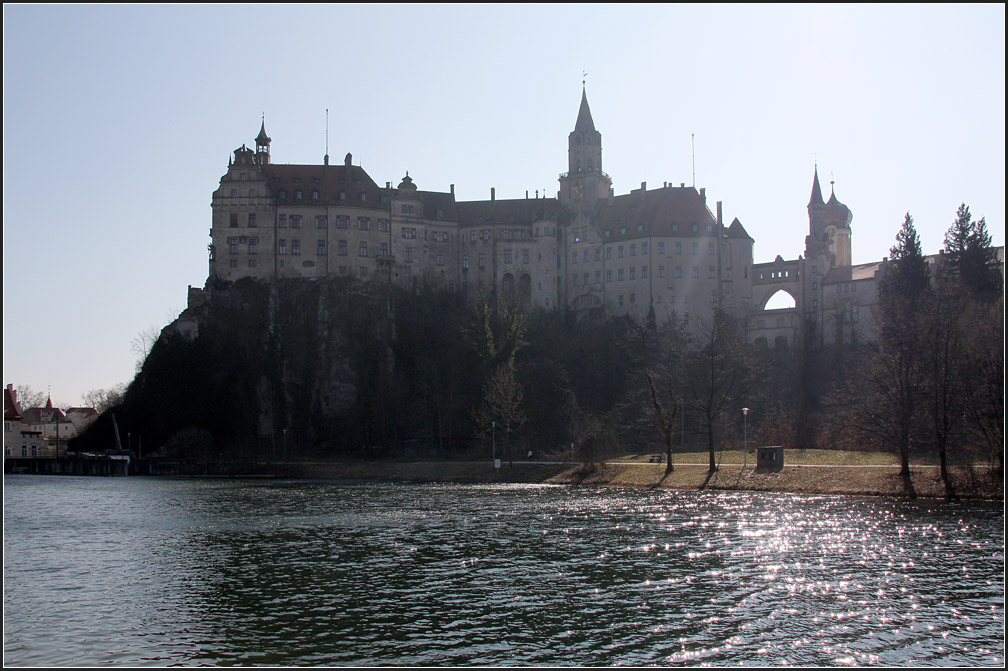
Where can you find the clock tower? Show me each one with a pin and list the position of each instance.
(584, 183)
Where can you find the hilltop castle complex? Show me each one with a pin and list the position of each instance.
(588, 249)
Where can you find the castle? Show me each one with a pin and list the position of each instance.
(588, 249)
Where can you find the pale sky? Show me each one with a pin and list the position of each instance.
(119, 122)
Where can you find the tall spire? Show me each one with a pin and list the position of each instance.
(816, 198)
(584, 119)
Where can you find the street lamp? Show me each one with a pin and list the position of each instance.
(745, 437)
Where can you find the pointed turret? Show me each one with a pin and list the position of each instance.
(816, 198)
(263, 145)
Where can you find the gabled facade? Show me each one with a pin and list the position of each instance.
(20, 439)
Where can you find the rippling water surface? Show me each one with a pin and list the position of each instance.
(136, 571)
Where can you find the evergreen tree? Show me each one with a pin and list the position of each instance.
(899, 376)
(970, 257)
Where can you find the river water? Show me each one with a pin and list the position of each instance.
(147, 571)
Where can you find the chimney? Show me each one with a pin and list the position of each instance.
(526, 194)
(347, 160)
(682, 185)
(388, 185)
(664, 185)
(643, 186)
(703, 194)
(452, 190)
(612, 193)
(493, 193)
(325, 160)
(719, 213)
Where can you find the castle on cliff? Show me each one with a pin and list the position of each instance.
(588, 249)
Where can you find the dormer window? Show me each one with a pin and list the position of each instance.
(315, 195)
(244, 177)
(297, 194)
(342, 195)
(622, 230)
(363, 198)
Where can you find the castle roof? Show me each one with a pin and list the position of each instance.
(519, 211)
(11, 411)
(435, 202)
(736, 230)
(666, 211)
(584, 120)
(329, 180)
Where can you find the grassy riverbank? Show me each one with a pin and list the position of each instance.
(806, 472)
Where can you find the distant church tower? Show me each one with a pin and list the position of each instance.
(263, 145)
(584, 183)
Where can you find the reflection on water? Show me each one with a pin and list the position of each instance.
(146, 571)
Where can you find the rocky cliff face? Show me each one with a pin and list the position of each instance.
(258, 365)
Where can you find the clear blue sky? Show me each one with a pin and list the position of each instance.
(119, 121)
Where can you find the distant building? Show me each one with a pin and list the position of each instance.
(20, 440)
(587, 249)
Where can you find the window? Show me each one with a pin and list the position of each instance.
(362, 271)
(482, 260)
(342, 195)
(233, 245)
(643, 271)
(710, 272)
(678, 271)
(608, 276)
(253, 245)
(643, 248)
(574, 279)
(507, 256)
(633, 249)
(315, 195)
(406, 208)
(675, 227)
(465, 261)
(598, 253)
(619, 274)
(409, 233)
(321, 221)
(696, 248)
(472, 236)
(295, 247)
(678, 248)
(234, 193)
(694, 228)
(252, 193)
(251, 220)
(295, 221)
(297, 195)
(661, 247)
(622, 230)
(815, 285)
(281, 246)
(321, 248)
(661, 271)
(574, 257)
(696, 271)
(234, 220)
(363, 223)
(363, 249)
(598, 277)
(408, 254)
(440, 257)
(383, 225)
(633, 273)
(608, 252)
(586, 279)
(710, 249)
(525, 256)
(383, 249)
(283, 194)
(341, 248)
(363, 198)
(234, 263)
(342, 221)
(282, 221)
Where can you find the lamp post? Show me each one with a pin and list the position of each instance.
(493, 441)
(745, 437)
